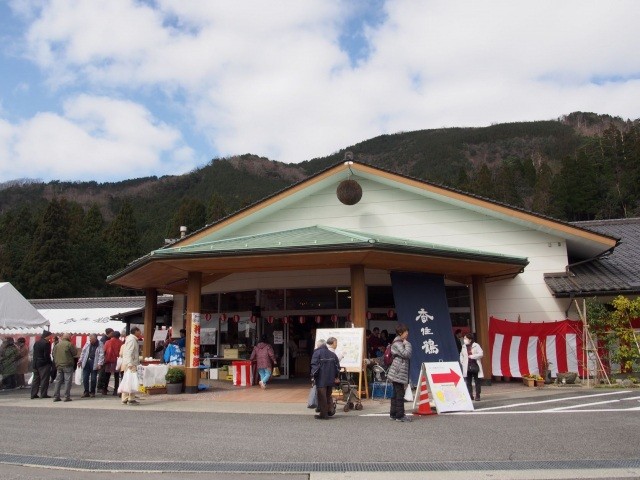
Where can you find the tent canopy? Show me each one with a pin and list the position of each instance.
(16, 312)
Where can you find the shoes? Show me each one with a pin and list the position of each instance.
(57, 399)
(45, 396)
(404, 419)
(262, 385)
(133, 402)
(34, 396)
(320, 417)
(477, 399)
(92, 394)
(67, 399)
(104, 392)
(85, 395)
(124, 403)
(393, 419)
(116, 394)
(331, 414)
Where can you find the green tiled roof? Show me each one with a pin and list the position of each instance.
(321, 238)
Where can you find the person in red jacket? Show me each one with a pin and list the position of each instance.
(265, 360)
(111, 352)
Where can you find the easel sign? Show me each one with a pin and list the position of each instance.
(350, 345)
(447, 387)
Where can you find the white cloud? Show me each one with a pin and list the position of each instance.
(271, 78)
(97, 137)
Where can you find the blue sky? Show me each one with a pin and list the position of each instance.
(108, 90)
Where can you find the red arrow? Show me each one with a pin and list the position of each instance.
(446, 377)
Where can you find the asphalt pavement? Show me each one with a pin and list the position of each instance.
(208, 436)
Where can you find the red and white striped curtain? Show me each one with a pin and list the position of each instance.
(518, 348)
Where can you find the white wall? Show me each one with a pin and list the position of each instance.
(388, 211)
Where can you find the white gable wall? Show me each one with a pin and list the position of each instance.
(391, 211)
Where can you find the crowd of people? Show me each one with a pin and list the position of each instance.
(56, 360)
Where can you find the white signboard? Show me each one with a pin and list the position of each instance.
(447, 386)
(160, 335)
(278, 337)
(350, 345)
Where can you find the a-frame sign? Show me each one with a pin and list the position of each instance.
(446, 387)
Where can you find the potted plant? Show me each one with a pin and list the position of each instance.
(528, 380)
(175, 378)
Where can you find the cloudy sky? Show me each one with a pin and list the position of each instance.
(113, 89)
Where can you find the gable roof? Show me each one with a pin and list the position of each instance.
(165, 270)
(613, 274)
(581, 242)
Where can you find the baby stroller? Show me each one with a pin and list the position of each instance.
(349, 391)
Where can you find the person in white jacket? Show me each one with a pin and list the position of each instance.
(131, 360)
(470, 357)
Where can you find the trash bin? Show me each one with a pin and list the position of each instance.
(242, 373)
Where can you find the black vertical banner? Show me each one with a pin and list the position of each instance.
(421, 304)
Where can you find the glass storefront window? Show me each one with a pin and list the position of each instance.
(272, 300)
(458, 297)
(209, 303)
(380, 296)
(344, 297)
(237, 301)
(311, 299)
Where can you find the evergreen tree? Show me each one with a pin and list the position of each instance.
(91, 256)
(542, 191)
(484, 184)
(17, 229)
(217, 208)
(191, 213)
(49, 261)
(122, 239)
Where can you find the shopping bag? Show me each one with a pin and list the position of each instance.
(77, 378)
(30, 381)
(408, 394)
(275, 372)
(119, 364)
(312, 401)
(129, 382)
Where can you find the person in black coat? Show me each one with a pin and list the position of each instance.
(325, 367)
(41, 366)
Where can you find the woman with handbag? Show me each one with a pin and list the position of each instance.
(470, 357)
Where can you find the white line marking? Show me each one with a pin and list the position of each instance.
(555, 400)
(538, 412)
(557, 409)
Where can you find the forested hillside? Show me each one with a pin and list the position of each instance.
(61, 239)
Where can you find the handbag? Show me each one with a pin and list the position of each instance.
(275, 372)
(473, 367)
(312, 401)
(77, 377)
(118, 364)
(129, 382)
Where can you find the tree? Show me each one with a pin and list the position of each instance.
(122, 239)
(613, 326)
(217, 208)
(49, 261)
(191, 214)
(91, 254)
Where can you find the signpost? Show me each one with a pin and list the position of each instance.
(446, 387)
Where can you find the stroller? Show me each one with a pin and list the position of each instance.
(349, 391)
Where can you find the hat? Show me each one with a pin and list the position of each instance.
(46, 334)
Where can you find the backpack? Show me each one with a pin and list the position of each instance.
(387, 358)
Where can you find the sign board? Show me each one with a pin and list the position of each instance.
(447, 387)
(278, 337)
(208, 336)
(160, 335)
(350, 345)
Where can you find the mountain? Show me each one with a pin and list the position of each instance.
(581, 166)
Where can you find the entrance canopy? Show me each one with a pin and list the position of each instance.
(316, 247)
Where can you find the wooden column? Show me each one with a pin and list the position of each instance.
(482, 323)
(194, 288)
(150, 313)
(358, 297)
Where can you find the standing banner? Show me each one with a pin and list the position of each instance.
(421, 304)
(194, 346)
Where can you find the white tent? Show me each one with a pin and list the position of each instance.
(17, 315)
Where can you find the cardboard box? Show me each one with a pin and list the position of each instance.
(230, 353)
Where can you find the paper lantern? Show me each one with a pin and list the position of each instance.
(391, 314)
(236, 318)
(223, 317)
(318, 319)
(270, 319)
(302, 319)
(334, 318)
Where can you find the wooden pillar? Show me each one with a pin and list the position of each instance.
(358, 297)
(150, 313)
(194, 288)
(482, 323)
